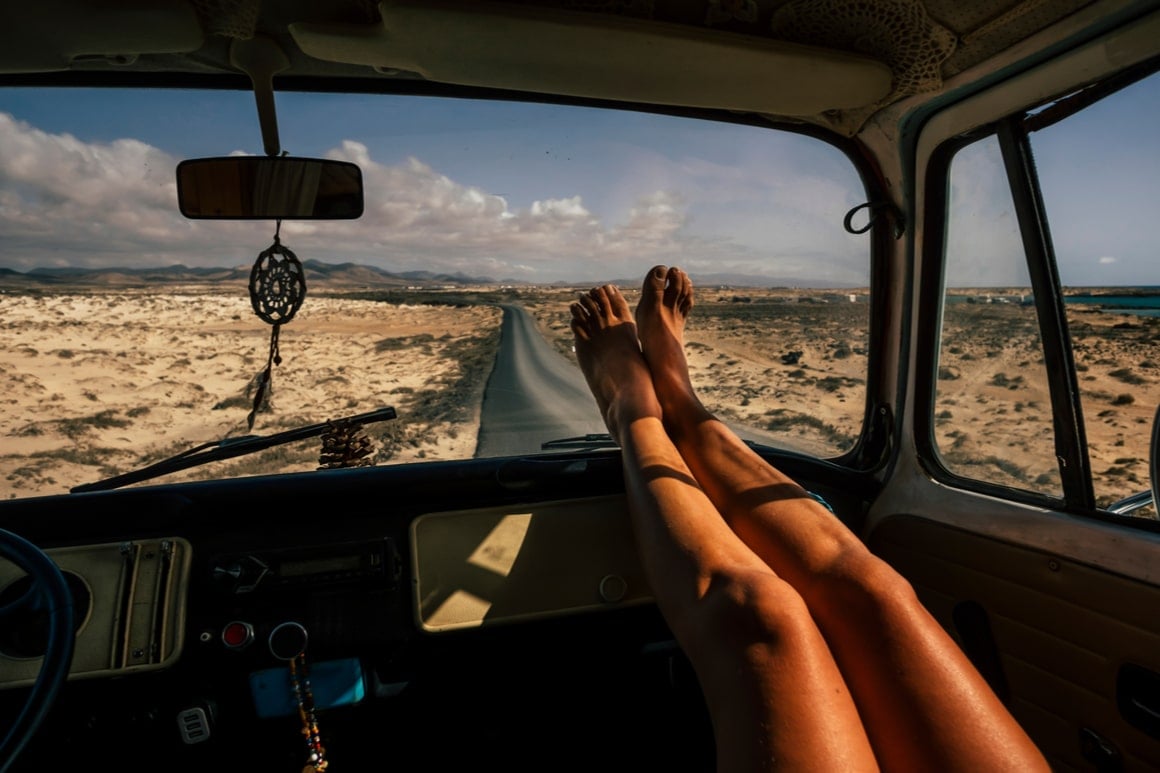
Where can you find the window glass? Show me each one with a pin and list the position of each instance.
(1099, 171)
(128, 333)
(992, 406)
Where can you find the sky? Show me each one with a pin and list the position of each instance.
(1099, 171)
(528, 192)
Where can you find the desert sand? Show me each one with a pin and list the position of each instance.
(993, 410)
(98, 383)
(790, 364)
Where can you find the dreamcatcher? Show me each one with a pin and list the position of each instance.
(277, 288)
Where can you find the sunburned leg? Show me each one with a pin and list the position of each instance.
(774, 693)
(924, 705)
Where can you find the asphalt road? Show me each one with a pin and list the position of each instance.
(534, 394)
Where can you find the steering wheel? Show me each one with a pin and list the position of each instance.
(49, 594)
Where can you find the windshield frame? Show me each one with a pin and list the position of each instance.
(870, 448)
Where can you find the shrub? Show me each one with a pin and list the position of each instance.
(1003, 380)
(1126, 375)
(74, 428)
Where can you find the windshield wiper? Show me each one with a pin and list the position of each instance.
(591, 440)
(228, 448)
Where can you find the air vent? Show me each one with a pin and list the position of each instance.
(145, 604)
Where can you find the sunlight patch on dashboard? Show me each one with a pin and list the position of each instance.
(476, 568)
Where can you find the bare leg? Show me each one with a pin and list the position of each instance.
(924, 705)
(774, 693)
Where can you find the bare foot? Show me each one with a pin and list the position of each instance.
(609, 355)
(665, 302)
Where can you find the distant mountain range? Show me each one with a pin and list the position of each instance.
(318, 274)
(326, 275)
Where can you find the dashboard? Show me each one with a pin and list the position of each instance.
(447, 611)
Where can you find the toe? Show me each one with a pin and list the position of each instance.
(673, 285)
(579, 331)
(679, 292)
(590, 305)
(617, 305)
(654, 280)
(604, 297)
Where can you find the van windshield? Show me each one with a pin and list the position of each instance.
(129, 332)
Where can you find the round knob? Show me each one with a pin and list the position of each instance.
(288, 640)
(612, 588)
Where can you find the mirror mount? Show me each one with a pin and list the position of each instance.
(261, 58)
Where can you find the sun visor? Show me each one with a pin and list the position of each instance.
(34, 39)
(579, 54)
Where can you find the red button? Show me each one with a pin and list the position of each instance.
(237, 634)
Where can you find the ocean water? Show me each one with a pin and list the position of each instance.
(1144, 303)
(1140, 301)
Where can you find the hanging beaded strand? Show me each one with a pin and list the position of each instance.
(300, 680)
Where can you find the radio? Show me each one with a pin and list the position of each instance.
(273, 570)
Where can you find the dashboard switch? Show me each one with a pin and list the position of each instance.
(194, 725)
(237, 635)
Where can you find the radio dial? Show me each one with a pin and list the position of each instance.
(284, 570)
(288, 640)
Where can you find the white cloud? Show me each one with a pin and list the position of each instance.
(65, 201)
(420, 218)
(1106, 260)
(65, 197)
(654, 220)
(564, 208)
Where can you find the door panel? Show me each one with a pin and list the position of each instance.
(1062, 630)
(988, 508)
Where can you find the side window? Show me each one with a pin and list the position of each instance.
(1098, 171)
(992, 407)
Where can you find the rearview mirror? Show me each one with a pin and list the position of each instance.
(269, 188)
